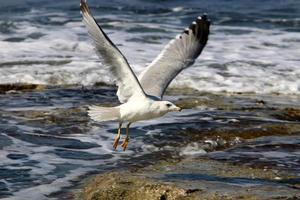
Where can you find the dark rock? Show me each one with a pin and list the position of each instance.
(290, 114)
(8, 88)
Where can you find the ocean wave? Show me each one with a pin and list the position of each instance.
(236, 59)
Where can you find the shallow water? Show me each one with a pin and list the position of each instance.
(47, 142)
(277, 152)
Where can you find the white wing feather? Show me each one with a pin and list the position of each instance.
(111, 56)
(179, 54)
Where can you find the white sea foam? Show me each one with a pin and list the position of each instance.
(177, 9)
(251, 60)
(193, 149)
(45, 162)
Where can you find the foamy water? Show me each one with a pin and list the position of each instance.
(236, 59)
(40, 157)
(47, 142)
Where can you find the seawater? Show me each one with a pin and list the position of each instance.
(253, 46)
(47, 142)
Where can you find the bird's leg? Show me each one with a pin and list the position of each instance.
(118, 136)
(125, 142)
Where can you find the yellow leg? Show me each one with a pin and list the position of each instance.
(118, 136)
(126, 141)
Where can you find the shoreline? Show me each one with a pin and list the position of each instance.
(215, 126)
(223, 179)
(191, 178)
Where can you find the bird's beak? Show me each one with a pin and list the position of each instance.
(178, 109)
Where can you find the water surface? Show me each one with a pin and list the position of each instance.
(47, 142)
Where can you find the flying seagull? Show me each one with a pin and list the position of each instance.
(141, 98)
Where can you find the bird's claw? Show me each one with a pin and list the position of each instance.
(125, 143)
(116, 142)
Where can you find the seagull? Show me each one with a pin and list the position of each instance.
(141, 97)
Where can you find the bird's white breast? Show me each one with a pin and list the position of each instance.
(139, 109)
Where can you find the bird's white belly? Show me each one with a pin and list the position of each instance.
(138, 111)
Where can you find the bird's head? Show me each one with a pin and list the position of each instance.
(168, 106)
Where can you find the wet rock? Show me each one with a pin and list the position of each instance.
(113, 186)
(103, 84)
(11, 88)
(247, 133)
(226, 137)
(290, 114)
(73, 119)
(191, 179)
(260, 102)
(206, 101)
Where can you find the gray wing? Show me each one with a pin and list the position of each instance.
(110, 55)
(179, 54)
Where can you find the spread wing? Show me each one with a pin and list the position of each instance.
(179, 54)
(110, 55)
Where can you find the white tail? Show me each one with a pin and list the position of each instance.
(102, 114)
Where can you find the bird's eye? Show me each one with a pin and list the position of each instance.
(169, 105)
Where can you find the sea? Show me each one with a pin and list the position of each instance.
(48, 145)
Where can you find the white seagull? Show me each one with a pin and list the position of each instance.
(141, 98)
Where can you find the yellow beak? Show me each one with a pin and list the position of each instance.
(178, 109)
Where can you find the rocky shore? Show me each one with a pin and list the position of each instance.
(223, 146)
(199, 173)
(191, 179)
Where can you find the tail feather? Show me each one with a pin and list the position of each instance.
(102, 114)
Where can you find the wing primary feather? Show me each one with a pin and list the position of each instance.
(111, 56)
(85, 10)
(186, 31)
(178, 54)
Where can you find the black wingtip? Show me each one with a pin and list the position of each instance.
(193, 27)
(83, 6)
(200, 28)
(82, 1)
(186, 31)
